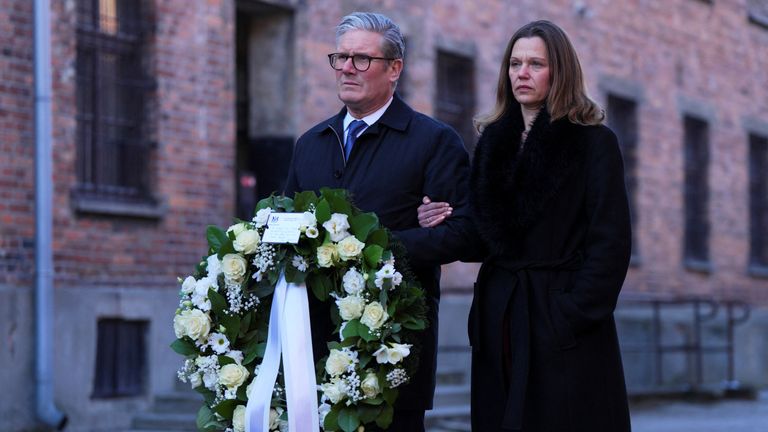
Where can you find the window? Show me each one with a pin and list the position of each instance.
(120, 358)
(696, 194)
(456, 94)
(622, 117)
(113, 150)
(758, 203)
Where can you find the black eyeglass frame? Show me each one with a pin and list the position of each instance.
(355, 58)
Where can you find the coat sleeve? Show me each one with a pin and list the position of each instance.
(593, 295)
(446, 178)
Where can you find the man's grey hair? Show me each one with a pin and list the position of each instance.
(393, 45)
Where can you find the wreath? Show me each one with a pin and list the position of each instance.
(345, 257)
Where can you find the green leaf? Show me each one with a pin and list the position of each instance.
(331, 422)
(348, 419)
(264, 203)
(225, 360)
(283, 202)
(385, 418)
(294, 275)
(378, 237)
(232, 324)
(216, 237)
(352, 329)
(415, 324)
(362, 224)
(372, 254)
(218, 302)
(389, 395)
(264, 288)
(323, 211)
(338, 202)
(184, 347)
(302, 200)
(245, 323)
(226, 248)
(364, 360)
(320, 285)
(206, 420)
(365, 333)
(369, 412)
(253, 350)
(226, 408)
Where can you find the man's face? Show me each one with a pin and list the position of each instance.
(365, 92)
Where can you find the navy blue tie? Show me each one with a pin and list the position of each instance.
(352, 130)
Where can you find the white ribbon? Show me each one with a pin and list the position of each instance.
(289, 335)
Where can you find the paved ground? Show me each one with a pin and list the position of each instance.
(720, 416)
(727, 415)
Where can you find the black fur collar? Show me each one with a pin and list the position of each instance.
(511, 188)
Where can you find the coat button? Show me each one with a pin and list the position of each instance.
(337, 174)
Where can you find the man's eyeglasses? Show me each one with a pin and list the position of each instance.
(361, 62)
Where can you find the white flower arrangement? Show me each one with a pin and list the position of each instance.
(344, 256)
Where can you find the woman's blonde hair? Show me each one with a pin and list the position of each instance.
(567, 93)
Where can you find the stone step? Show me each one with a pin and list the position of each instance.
(452, 395)
(178, 402)
(452, 375)
(165, 421)
(434, 417)
(453, 425)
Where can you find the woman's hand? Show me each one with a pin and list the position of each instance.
(433, 213)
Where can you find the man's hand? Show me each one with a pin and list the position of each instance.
(433, 213)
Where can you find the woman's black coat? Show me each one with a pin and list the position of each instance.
(555, 219)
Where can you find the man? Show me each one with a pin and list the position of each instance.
(392, 159)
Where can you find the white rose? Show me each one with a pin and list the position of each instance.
(188, 285)
(337, 226)
(195, 380)
(350, 248)
(234, 266)
(336, 390)
(337, 362)
(350, 307)
(374, 315)
(193, 323)
(237, 228)
(370, 385)
(312, 232)
(262, 216)
(247, 242)
(238, 418)
(232, 375)
(214, 266)
(353, 281)
(326, 255)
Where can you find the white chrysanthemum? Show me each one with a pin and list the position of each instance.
(218, 343)
(353, 281)
(387, 271)
(337, 227)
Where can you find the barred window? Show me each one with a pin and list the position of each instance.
(758, 202)
(113, 149)
(696, 193)
(121, 358)
(622, 117)
(456, 94)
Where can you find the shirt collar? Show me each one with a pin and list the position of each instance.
(370, 118)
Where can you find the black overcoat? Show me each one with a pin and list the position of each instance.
(554, 217)
(399, 159)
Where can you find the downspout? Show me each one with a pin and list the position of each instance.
(45, 408)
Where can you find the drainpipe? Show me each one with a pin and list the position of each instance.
(46, 410)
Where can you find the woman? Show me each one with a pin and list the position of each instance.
(551, 212)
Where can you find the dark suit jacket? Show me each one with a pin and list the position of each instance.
(394, 163)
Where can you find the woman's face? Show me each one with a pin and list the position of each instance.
(529, 72)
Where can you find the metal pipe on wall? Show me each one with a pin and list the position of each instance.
(46, 410)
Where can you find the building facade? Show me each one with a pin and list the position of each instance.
(169, 116)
